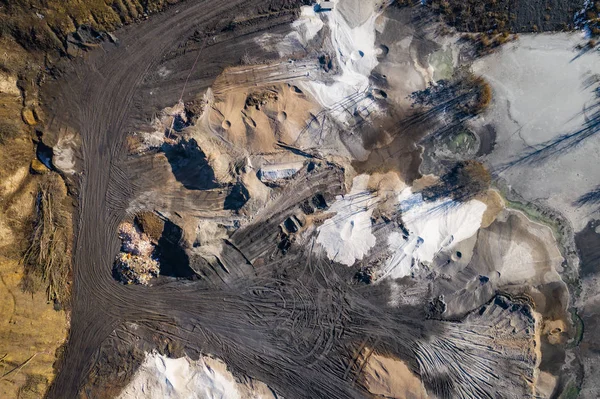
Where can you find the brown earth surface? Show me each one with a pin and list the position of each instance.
(296, 318)
(32, 328)
(268, 314)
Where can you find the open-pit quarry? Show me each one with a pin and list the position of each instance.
(352, 199)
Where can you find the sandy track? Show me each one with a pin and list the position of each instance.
(99, 99)
(295, 322)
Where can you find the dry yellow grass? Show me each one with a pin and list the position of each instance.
(495, 204)
(29, 326)
(47, 28)
(30, 329)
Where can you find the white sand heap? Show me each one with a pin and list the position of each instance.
(352, 25)
(307, 26)
(433, 227)
(347, 236)
(160, 377)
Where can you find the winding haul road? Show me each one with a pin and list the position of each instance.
(294, 322)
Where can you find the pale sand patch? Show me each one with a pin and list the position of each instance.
(390, 378)
(10, 184)
(64, 153)
(495, 204)
(353, 28)
(347, 236)
(160, 377)
(8, 85)
(545, 385)
(432, 227)
(439, 224)
(522, 251)
(307, 25)
(281, 118)
(6, 235)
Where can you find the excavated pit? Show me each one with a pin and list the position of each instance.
(248, 274)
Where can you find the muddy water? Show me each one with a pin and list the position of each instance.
(588, 245)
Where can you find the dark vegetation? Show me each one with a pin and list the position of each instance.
(465, 95)
(485, 43)
(510, 16)
(464, 181)
(590, 17)
(489, 24)
(452, 102)
(8, 131)
(49, 25)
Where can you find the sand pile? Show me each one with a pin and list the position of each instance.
(432, 226)
(352, 36)
(160, 377)
(347, 236)
(387, 377)
(255, 119)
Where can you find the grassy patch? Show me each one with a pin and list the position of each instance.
(578, 325)
(533, 213)
(8, 131)
(570, 392)
(463, 141)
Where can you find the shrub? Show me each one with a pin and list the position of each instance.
(8, 131)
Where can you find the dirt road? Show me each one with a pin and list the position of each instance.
(103, 98)
(295, 322)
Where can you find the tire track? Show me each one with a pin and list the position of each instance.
(295, 322)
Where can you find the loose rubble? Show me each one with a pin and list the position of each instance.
(135, 263)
